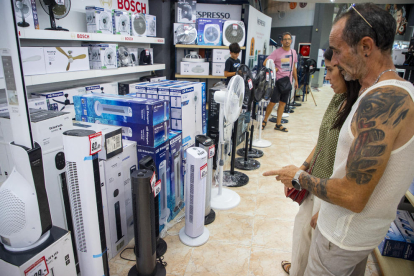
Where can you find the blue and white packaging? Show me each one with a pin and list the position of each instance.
(393, 244)
(161, 157)
(405, 224)
(103, 88)
(209, 31)
(121, 22)
(98, 20)
(124, 109)
(152, 90)
(176, 195)
(151, 21)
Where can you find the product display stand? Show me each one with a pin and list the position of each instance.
(261, 143)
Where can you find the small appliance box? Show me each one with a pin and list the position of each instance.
(152, 90)
(221, 55)
(138, 21)
(393, 244)
(210, 31)
(194, 68)
(98, 20)
(186, 11)
(405, 224)
(124, 109)
(36, 103)
(33, 60)
(26, 17)
(176, 195)
(89, 46)
(104, 88)
(151, 21)
(218, 69)
(66, 59)
(105, 56)
(161, 157)
(54, 257)
(121, 22)
(113, 201)
(129, 164)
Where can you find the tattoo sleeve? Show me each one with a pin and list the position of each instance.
(316, 186)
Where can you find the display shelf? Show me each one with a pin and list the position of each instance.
(194, 46)
(393, 266)
(179, 76)
(77, 36)
(90, 74)
(410, 197)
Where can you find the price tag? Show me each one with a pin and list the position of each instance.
(153, 181)
(157, 188)
(267, 76)
(235, 26)
(147, 52)
(211, 151)
(39, 268)
(95, 143)
(203, 171)
(113, 143)
(250, 84)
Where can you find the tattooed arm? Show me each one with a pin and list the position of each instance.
(306, 164)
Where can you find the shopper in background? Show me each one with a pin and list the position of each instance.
(285, 60)
(320, 162)
(233, 62)
(373, 162)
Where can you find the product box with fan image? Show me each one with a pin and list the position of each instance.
(121, 108)
(33, 60)
(186, 11)
(185, 33)
(89, 46)
(393, 244)
(218, 68)
(405, 224)
(209, 31)
(145, 56)
(138, 24)
(121, 22)
(161, 158)
(103, 88)
(194, 68)
(98, 20)
(176, 195)
(37, 103)
(66, 59)
(127, 56)
(105, 56)
(221, 55)
(151, 22)
(26, 14)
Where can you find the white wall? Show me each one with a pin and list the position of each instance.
(296, 17)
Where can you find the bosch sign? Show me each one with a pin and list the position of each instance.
(132, 6)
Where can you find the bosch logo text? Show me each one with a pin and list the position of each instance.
(133, 6)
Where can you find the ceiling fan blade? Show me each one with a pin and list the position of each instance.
(58, 101)
(63, 52)
(79, 57)
(67, 67)
(32, 58)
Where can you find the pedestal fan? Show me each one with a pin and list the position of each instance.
(231, 101)
(262, 93)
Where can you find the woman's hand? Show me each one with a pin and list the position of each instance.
(314, 220)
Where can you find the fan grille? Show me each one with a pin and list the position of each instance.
(140, 25)
(22, 8)
(211, 34)
(12, 216)
(234, 35)
(186, 36)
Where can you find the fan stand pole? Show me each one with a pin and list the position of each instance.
(248, 151)
(244, 163)
(261, 143)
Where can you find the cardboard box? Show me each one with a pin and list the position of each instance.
(89, 46)
(4, 108)
(26, 17)
(53, 257)
(33, 59)
(103, 88)
(98, 20)
(221, 55)
(194, 68)
(218, 69)
(176, 195)
(37, 103)
(138, 25)
(105, 56)
(186, 11)
(66, 59)
(405, 224)
(185, 27)
(393, 244)
(151, 21)
(209, 31)
(121, 22)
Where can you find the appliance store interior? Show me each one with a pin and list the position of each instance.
(134, 135)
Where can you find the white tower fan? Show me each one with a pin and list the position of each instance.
(112, 109)
(194, 233)
(165, 110)
(231, 101)
(82, 170)
(165, 212)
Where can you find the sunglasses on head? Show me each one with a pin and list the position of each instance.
(353, 7)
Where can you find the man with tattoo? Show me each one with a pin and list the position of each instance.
(373, 162)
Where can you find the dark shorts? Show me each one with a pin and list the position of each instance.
(277, 96)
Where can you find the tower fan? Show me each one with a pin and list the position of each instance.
(231, 101)
(23, 9)
(165, 211)
(245, 73)
(207, 144)
(194, 233)
(55, 11)
(262, 93)
(185, 34)
(84, 188)
(212, 33)
(144, 230)
(139, 24)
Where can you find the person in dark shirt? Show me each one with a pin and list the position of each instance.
(232, 63)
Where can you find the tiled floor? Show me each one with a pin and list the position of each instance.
(253, 238)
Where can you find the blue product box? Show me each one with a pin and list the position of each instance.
(137, 95)
(393, 244)
(161, 157)
(152, 90)
(405, 224)
(125, 109)
(209, 31)
(176, 196)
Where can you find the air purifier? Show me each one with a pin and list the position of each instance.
(194, 233)
(112, 109)
(84, 187)
(234, 31)
(144, 230)
(207, 144)
(165, 212)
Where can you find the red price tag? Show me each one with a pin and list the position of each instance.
(203, 171)
(153, 180)
(211, 151)
(95, 143)
(235, 26)
(250, 84)
(157, 188)
(267, 76)
(38, 268)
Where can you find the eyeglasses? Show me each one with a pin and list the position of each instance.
(353, 7)
(287, 39)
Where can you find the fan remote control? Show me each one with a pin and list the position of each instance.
(60, 160)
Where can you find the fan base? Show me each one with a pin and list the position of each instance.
(260, 143)
(189, 241)
(23, 24)
(253, 153)
(295, 104)
(210, 218)
(57, 29)
(249, 165)
(159, 270)
(227, 200)
(238, 179)
(161, 247)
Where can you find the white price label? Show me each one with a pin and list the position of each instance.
(39, 268)
(250, 84)
(147, 52)
(203, 171)
(157, 188)
(211, 151)
(113, 143)
(95, 143)
(153, 181)
(273, 75)
(267, 76)
(235, 26)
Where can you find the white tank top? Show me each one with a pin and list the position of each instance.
(365, 230)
